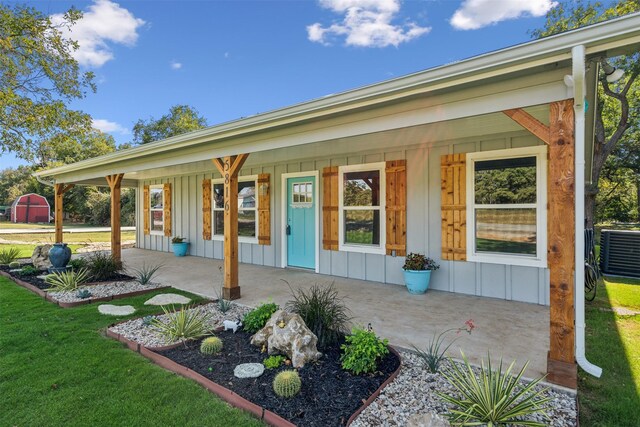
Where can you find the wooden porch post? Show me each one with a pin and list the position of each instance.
(229, 167)
(59, 190)
(560, 137)
(114, 182)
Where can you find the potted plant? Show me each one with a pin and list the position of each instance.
(417, 272)
(180, 246)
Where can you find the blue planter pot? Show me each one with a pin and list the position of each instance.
(59, 255)
(180, 249)
(417, 281)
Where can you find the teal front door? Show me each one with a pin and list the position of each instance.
(301, 222)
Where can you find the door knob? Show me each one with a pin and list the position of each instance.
(288, 230)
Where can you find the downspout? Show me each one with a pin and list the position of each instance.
(579, 91)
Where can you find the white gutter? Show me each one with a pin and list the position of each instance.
(579, 87)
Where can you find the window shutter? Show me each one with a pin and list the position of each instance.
(206, 209)
(330, 208)
(454, 210)
(264, 209)
(167, 209)
(146, 212)
(396, 207)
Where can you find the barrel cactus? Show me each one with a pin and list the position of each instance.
(287, 383)
(14, 264)
(211, 345)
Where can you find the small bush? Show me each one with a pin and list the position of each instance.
(362, 351)
(323, 311)
(67, 280)
(102, 266)
(493, 397)
(78, 263)
(29, 270)
(287, 383)
(144, 274)
(178, 239)
(8, 255)
(183, 324)
(273, 362)
(211, 345)
(256, 319)
(419, 262)
(83, 293)
(14, 264)
(434, 354)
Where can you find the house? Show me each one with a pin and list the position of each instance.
(480, 163)
(30, 208)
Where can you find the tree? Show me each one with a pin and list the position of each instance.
(181, 119)
(618, 106)
(65, 150)
(38, 78)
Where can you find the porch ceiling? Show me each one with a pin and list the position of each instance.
(510, 329)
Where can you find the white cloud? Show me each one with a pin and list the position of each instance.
(104, 23)
(474, 14)
(175, 65)
(366, 23)
(109, 127)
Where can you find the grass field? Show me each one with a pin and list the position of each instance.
(102, 236)
(26, 250)
(51, 226)
(612, 343)
(58, 369)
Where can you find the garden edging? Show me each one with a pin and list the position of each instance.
(227, 395)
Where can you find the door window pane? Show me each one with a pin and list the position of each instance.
(509, 231)
(362, 227)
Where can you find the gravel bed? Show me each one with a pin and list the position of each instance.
(412, 395)
(147, 335)
(103, 290)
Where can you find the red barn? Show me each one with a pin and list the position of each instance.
(30, 208)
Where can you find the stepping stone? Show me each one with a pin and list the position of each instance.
(166, 299)
(248, 370)
(116, 310)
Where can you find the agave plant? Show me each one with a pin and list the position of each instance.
(8, 255)
(144, 274)
(493, 397)
(183, 324)
(66, 281)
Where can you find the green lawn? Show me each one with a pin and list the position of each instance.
(7, 224)
(26, 250)
(58, 369)
(613, 343)
(103, 236)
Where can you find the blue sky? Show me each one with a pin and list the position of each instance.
(232, 59)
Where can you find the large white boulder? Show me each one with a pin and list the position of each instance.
(40, 257)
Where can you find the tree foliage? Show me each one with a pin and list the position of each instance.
(180, 119)
(618, 106)
(38, 78)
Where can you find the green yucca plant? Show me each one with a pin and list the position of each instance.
(67, 280)
(493, 398)
(144, 274)
(183, 324)
(8, 255)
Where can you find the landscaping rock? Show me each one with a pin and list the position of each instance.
(249, 370)
(116, 310)
(166, 299)
(286, 333)
(40, 257)
(427, 420)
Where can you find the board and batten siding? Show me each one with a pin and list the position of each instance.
(527, 284)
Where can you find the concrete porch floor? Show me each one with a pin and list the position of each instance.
(512, 330)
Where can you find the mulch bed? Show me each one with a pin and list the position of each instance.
(329, 395)
(41, 284)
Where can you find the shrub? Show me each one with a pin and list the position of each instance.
(29, 270)
(419, 262)
(287, 383)
(493, 397)
(362, 351)
(67, 280)
(434, 354)
(14, 264)
(83, 293)
(102, 266)
(78, 263)
(273, 362)
(323, 311)
(8, 255)
(144, 274)
(183, 324)
(211, 345)
(258, 317)
(178, 239)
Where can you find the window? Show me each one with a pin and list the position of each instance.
(247, 209)
(506, 206)
(361, 208)
(156, 208)
(302, 194)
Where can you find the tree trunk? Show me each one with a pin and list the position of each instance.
(638, 198)
(589, 205)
